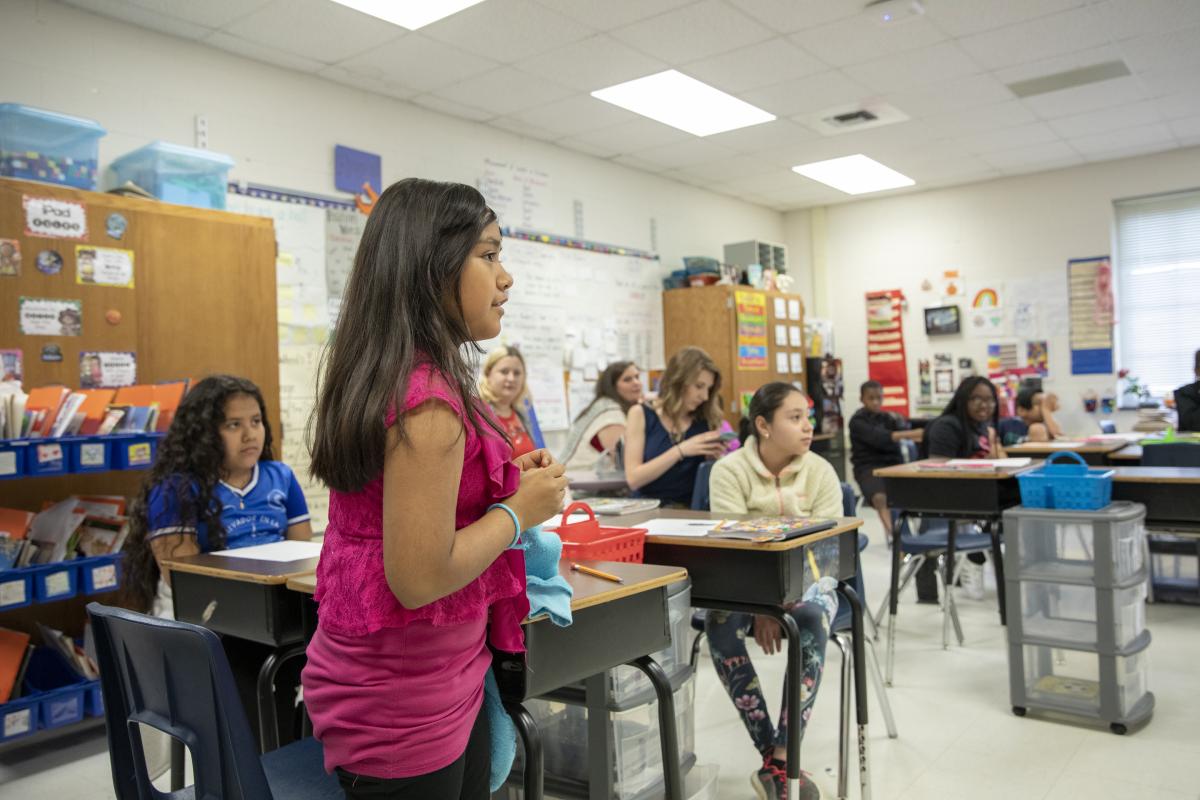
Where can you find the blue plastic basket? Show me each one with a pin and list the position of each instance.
(18, 718)
(1066, 486)
(59, 689)
(57, 581)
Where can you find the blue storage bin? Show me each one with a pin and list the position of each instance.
(16, 588)
(133, 450)
(46, 457)
(89, 453)
(99, 573)
(18, 718)
(12, 457)
(55, 581)
(1066, 486)
(176, 174)
(93, 704)
(40, 145)
(58, 688)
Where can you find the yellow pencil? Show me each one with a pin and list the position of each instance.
(608, 576)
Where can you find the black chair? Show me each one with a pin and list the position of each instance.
(174, 677)
(1171, 454)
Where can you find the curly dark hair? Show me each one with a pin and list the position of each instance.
(189, 464)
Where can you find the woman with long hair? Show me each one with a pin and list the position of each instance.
(504, 386)
(601, 424)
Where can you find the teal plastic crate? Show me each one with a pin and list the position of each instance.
(176, 174)
(41, 145)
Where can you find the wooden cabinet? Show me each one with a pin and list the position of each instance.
(707, 317)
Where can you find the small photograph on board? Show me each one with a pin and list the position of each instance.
(49, 262)
(104, 266)
(942, 320)
(943, 381)
(41, 316)
(10, 257)
(107, 370)
(10, 365)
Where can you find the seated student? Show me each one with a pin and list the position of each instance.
(875, 437)
(214, 486)
(503, 387)
(1034, 421)
(1187, 402)
(601, 424)
(774, 473)
(666, 440)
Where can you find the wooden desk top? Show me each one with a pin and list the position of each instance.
(633, 520)
(1130, 452)
(1186, 475)
(588, 590)
(1063, 445)
(248, 570)
(914, 470)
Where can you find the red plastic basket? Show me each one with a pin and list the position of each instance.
(589, 541)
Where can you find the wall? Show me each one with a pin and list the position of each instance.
(1005, 229)
(281, 127)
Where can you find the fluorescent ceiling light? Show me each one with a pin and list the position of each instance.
(854, 174)
(674, 99)
(411, 14)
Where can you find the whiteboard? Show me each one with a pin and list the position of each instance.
(576, 310)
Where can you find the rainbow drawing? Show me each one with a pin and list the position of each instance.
(986, 298)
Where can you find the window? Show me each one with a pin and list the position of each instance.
(1158, 288)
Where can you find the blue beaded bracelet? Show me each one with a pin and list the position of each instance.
(516, 540)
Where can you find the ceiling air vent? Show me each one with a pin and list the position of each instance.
(857, 117)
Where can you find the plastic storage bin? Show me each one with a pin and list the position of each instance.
(176, 174)
(16, 588)
(1058, 485)
(1072, 680)
(59, 688)
(133, 450)
(94, 700)
(1076, 614)
(12, 458)
(86, 454)
(99, 573)
(18, 718)
(55, 581)
(40, 145)
(46, 457)
(1065, 545)
(589, 541)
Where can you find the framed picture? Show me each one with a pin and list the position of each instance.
(941, 320)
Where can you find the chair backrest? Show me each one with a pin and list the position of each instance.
(535, 430)
(1174, 454)
(174, 677)
(700, 488)
(1108, 426)
(849, 500)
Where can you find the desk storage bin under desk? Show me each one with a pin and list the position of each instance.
(40, 145)
(260, 612)
(1105, 546)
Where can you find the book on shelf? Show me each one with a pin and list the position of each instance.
(42, 407)
(94, 409)
(770, 529)
(14, 653)
(74, 653)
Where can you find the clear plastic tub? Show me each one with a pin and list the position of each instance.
(1068, 613)
(176, 174)
(1061, 545)
(41, 145)
(1069, 680)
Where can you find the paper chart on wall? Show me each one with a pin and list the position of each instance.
(519, 194)
(343, 230)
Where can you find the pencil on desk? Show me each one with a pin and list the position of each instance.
(608, 576)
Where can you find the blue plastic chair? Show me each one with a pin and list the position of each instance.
(700, 495)
(174, 677)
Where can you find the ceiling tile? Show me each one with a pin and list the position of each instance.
(1170, 82)
(915, 69)
(1038, 68)
(209, 14)
(781, 181)
(261, 52)
(597, 149)
(951, 98)
(964, 17)
(1032, 155)
(520, 128)
(575, 114)
(984, 118)
(632, 136)
(507, 30)
(809, 94)
(1110, 119)
(1130, 151)
(1172, 50)
(168, 22)
(419, 62)
(729, 169)
(612, 13)
(768, 135)
(593, 63)
(1121, 140)
(1094, 96)
(786, 16)
(1178, 106)
(504, 91)
(754, 66)
(444, 106)
(1044, 166)
(316, 29)
(633, 162)
(1186, 128)
(696, 31)
(685, 153)
(1127, 19)
(991, 141)
(859, 38)
(1044, 37)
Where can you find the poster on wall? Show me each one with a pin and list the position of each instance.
(885, 348)
(11, 365)
(107, 370)
(1090, 296)
(1001, 358)
(1037, 357)
(42, 316)
(103, 266)
(751, 330)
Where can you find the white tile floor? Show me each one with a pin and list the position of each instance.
(958, 737)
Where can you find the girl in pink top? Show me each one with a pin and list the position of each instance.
(419, 571)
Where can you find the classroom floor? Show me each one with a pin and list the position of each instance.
(958, 737)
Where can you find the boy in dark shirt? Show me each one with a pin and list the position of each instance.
(1187, 402)
(1034, 421)
(875, 437)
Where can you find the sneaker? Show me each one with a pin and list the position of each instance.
(770, 783)
(970, 578)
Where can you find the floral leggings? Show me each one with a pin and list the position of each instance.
(727, 632)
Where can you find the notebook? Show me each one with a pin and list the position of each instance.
(14, 647)
(770, 529)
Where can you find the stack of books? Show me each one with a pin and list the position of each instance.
(78, 527)
(51, 412)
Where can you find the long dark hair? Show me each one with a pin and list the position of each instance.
(606, 386)
(765, 403)
(394, 313)
(189, 464)
(957, 407)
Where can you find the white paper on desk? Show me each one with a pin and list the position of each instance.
(988, 463)
(675, 526)
(287, 550)
(1056, 445)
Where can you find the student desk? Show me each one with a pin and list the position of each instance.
(1171, 495)
(613, 624)
(588, 481)
(247, 598)
(760, 578)
(1094, 453)
(1128, 456)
